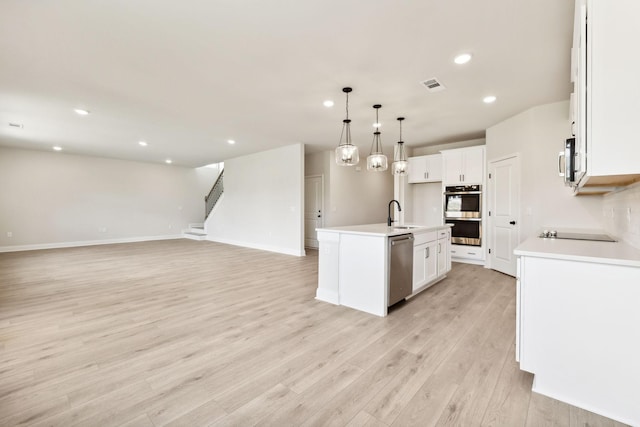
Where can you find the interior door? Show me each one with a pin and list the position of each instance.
(504, 211)
(313, 195)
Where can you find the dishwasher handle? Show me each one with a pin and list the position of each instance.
(405, 240)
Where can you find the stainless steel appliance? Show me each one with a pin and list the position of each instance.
(463, 210)
(567, 158)
(400, 267)
(463, 201)
(466, 231)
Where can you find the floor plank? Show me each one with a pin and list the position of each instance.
(188, 333)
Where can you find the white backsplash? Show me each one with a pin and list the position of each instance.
(621, 212)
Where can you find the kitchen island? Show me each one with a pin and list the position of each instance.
(577, 323)
(353, 266)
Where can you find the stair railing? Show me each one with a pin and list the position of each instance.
(211, 199)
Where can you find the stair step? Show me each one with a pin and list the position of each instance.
(194, 235)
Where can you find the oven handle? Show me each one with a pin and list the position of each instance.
(462, 219)
(462, 192)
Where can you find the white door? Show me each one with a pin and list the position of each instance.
(313, 190)
(504, 211)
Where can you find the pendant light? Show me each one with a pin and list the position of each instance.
(377, 161)
(400, 164)
(347, 153)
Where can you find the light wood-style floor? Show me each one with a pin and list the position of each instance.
(187, 333)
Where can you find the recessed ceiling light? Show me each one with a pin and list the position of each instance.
(489, 99)
(81, 111)
(142, 143)
(57, 148)
(463, 58)
(231, 141)
(328, 103)
(168, 161)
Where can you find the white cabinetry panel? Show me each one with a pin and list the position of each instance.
(463, 166)
(425, 169)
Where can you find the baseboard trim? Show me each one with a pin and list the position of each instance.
(329, 296)
(269, 248)
(552, 393)
(40, 246)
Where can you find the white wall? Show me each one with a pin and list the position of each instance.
(55, 199)
(538, 134)
(353, 195)
(621, 212)
(262, 204)
(435, 149)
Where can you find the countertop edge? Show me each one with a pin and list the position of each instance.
(392, 232)
(612, 253)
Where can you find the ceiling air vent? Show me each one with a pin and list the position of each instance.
(433, 85)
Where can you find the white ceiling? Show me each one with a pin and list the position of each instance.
(187, 76)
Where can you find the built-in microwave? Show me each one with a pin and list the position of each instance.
(567, 158)
(463, 201)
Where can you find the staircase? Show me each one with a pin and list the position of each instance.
(195, 232)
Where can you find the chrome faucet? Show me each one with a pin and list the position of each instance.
(389, 211)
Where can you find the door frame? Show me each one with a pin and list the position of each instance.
(321, 176)
(490, 195)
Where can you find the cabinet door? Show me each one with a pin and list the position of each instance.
(473, 165)
(452, 163)
(417, 169)
(444, 252)
(434, 168)
(419, 266)
(431, 261)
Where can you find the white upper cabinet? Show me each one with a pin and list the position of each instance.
(463, 166)
(425, 169)
(606, 91)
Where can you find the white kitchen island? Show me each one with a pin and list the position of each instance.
(577, 323)
(353, 263)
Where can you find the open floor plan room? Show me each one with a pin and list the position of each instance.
(186, 333)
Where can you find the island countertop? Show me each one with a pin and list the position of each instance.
(617, 253)
(382, 229)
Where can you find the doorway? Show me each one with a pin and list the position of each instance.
(313, 209)
(504, 213)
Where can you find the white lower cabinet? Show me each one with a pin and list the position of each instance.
(467, 252)
(577, 332)
(431, 260)
(444, 252)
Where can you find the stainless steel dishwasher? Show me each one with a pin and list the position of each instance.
(400, 267)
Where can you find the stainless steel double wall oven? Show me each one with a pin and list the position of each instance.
(463, 210)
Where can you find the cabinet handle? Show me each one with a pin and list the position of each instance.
(439, 248)
(573, 128)
(425, 175)
(560, 159)
(462, 177)
(427, 252)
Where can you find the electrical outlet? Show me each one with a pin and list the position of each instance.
(9, 234)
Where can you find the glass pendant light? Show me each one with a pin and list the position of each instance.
(400, 164)
(377, 161)
(347, 153)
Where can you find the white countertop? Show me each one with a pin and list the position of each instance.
(617, 253)
(382, 229)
